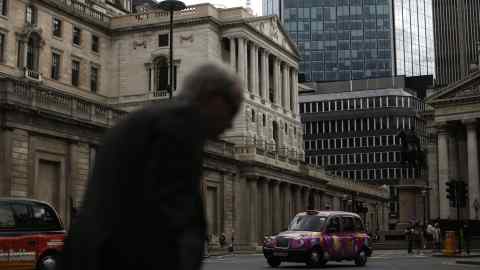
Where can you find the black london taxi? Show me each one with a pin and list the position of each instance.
(31, 235)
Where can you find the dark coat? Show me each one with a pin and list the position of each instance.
(143, 207)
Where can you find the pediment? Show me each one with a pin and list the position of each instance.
(271, 28)
(463, 90)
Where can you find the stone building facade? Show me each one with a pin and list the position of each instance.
(453, 146)
(75, 70)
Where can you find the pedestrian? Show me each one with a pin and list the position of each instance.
(437, 236)
(429, 236)
(409, 234)
(142, 207)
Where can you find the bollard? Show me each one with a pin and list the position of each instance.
(449, 243)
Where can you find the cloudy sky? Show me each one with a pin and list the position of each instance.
(256, 4)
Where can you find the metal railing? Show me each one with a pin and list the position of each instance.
(33, 74)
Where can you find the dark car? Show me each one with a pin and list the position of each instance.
(316, 237)
(31, 235)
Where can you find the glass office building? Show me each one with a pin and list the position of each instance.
(358, 39)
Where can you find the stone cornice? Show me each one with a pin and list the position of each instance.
(260, 39)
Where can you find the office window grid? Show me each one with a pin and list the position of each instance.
(363, 104)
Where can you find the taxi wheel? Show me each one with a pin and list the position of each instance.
(274, 262)
(48, 262)
(361, 258)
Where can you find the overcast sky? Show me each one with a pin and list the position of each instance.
(256, 4)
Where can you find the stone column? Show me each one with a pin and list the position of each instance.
(276, 207)
(264, 74)
(253, 204)
(299, 200)
(433, 195)
(473, 180)
(233, 54)
(251, 81)
(306, 196)
(256, 73)
(286, 88)
(242, 57)
(295, 92)
(276, 81)
(287, 209)
(443, 172)
(241, 211)
(267, 209)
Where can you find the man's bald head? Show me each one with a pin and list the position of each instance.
(217, 92)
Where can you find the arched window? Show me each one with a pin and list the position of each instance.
(158, 74)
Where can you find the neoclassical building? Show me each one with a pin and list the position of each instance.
(453, 148)
(70, 70)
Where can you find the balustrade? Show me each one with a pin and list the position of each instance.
(37, 98)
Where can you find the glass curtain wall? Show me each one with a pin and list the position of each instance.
(414, 37)
(341, 39)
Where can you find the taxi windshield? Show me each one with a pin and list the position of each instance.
(307, 223)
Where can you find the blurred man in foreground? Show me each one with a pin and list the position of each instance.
(143, 208)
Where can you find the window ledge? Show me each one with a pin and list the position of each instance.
(77, 46)
(96, 53)
(57, 38)
(5, 17)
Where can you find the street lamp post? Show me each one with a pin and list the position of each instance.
(171, 6)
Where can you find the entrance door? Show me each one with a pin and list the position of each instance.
(49, 182)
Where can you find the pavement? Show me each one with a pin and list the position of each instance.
(469, 261)
(381, 260)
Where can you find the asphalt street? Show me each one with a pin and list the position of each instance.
(384, 261)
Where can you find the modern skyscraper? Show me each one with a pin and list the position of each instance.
(457, 31)
(357, 39)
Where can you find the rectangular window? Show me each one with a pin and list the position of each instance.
(75, 72)
(55, 74)
(95, 43)
(2, 47)
(77, 35)
(163, 40)
(4, 7)
(94, 79)
(31, 15)
(57, 27)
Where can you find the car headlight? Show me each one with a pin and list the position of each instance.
(269, 241)
(297, 243)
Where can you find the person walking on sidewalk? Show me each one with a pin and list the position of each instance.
(409, 234)
(437, 237)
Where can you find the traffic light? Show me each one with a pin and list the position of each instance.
(462, 194)
(451, 193)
